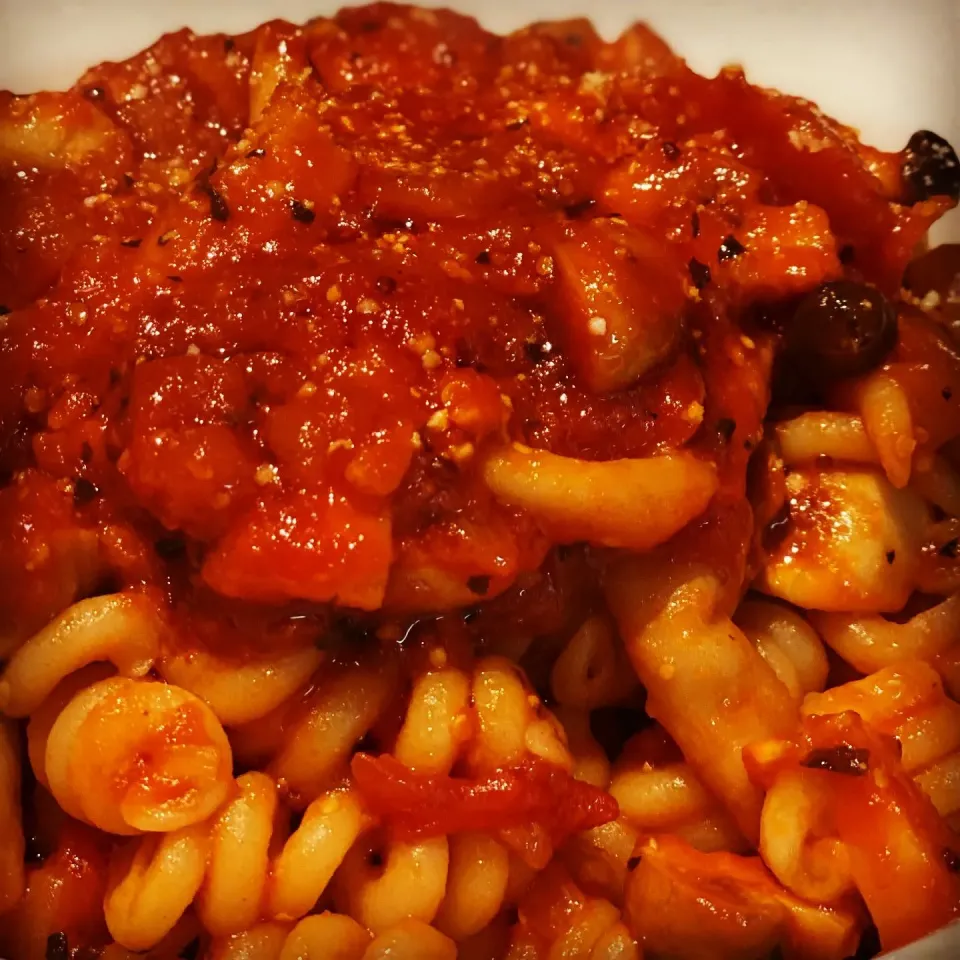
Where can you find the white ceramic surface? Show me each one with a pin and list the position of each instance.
(889, 67)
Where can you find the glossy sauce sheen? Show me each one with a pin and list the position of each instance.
(262, 342)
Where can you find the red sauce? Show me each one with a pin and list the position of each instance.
(269, 302)
(536, 792)
(287, 327)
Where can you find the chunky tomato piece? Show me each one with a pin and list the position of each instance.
(537, 792)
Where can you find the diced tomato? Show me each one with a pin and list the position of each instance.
(417, 804)
(312, 547)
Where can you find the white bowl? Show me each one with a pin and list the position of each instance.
(886, 66)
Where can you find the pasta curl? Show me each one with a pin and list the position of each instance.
(238, 868)
(136, 756)
(122, 628)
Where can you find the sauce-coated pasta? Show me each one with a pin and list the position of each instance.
(471, 497)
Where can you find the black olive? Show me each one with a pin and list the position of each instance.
(841, 329)
(930, 168)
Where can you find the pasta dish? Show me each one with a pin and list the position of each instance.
(471, 496)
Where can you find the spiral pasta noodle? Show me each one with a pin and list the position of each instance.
(659, 793)
(239, 867)
(133, 756)
(471, 497)
(121, 628)
(225, 865)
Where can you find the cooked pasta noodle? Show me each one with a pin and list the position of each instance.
(835, 556)
(798, 841)
(885, 409)
(873, 643)
(327, 936)
(124, 629)
(623, 503)
(336, 714)
(471, 498)
(584, 926)
(241, 693)
(131, 756)
(937, 481)
(809, 436)
(478, 870)
(381, 883)
(788, 643)
(152, 882)
(592, 670)
(235, 867)
(710, 713)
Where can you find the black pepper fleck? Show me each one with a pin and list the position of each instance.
(301, 213)
(94, 93)
(891, 556)
(695, 224)
(132, 243)
(218, 206)
(846, 254)
(228, 44)
(576, 210)
(466, 356)
(633, 863)
(950, 549)
(170, 548)
(535, 351)
(843, 758)
(478, 585)
(730, 249)
(699, 273)
(256, 154)
(84, 491)
(946, 393)
(483, 258)
(670, 150)
(726, 427)
(517, 124)
(386, 285)
(175, 278)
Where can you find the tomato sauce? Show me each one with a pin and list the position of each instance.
(271, 298)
